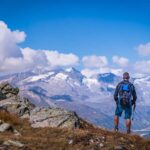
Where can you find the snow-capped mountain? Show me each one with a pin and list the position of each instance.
(91, 98)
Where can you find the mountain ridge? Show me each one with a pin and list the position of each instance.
(67, 89)
(26, 126)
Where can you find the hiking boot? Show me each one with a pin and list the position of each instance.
(128, 131)
(116, 129)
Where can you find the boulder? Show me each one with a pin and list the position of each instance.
(5, 127)
(7, 90)
(2, 96)
(120, 147)
(8, 127)
(53, 117)
(17, 105)
(12, 102)
(14, 143)
(39, 117)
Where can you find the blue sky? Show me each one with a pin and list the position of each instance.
(85, 27)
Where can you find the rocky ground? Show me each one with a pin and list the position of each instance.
(27, 127)
(12, 102)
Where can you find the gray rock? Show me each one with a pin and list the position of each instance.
(53, 117)
(2, 96)
(12, 102)
(5, 127)
(101, 145)
(91, 141)
(39, 117)
(70, 142)
(119, 147)
(8, 127)
(17, 133)
(1, 122)
(3, 147)
(17, 105)
(36, 110)
(8, 90)
(14, 143)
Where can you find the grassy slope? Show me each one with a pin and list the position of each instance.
(87, 138)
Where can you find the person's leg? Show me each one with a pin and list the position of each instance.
(128, 125)
(116, 122)
(128, 113)
(118, 113)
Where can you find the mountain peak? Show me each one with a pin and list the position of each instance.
(71, 69)
(108, 77)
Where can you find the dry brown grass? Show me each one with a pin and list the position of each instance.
(58, 139)
(10, 118)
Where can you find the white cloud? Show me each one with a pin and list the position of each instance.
(33, 58)
(121, 61)
(13, 58)
(59, 59)
(48, 58)
(38, 58)
(93, 72)
(144, 49)
(30, 59)
(94, 61)
(90, 72)
(142, 67)
(8, 42)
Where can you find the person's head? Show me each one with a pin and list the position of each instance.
(126, 76)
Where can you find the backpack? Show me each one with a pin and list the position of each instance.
(125, 94)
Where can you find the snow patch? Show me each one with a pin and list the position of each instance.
(61, 76)
(38, 77)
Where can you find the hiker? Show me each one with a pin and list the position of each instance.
(125, 97)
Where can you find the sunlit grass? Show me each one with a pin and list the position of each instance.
(59, 139)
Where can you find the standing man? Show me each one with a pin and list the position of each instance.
(125, 97)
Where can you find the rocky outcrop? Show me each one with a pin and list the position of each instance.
(6, 90)
(13, 143)
(53, 117)
(12, 102)
(5, 126)
(17, 105)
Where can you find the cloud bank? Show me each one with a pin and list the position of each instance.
(94, 61)
(142, 66)
(8, 42)
(121, 61)
(13, 58)
(144, 49)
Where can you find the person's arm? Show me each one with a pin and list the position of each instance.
(134, 95)
(116, 93)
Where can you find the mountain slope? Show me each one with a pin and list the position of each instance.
(91, 98)
(25, 126)
(88, 137)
